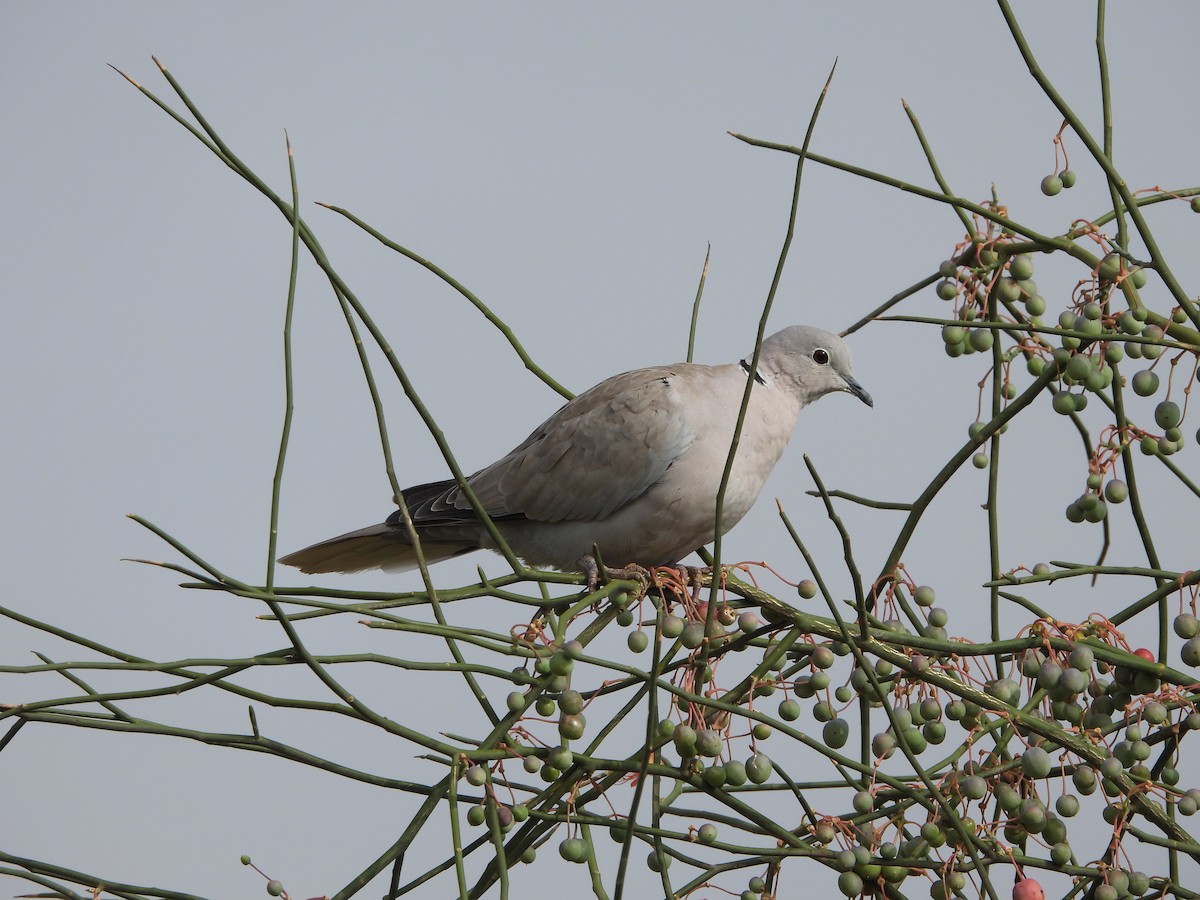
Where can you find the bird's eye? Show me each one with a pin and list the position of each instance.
(821, 356)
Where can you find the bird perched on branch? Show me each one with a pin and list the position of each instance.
(630, 468)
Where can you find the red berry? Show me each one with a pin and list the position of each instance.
(1145, 654)
(1028, 889)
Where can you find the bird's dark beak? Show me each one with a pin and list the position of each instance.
(858, 390)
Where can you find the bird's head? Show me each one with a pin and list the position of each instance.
(812, 362)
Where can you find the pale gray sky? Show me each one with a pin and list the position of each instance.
(567, 163)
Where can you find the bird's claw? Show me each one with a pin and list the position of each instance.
(690, 576)
(633, 572)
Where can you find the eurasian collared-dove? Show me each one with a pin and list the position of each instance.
(631, 467)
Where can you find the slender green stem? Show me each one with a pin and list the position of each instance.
(761, 334)
(696, 304)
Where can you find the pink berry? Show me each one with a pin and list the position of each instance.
(1028, 889)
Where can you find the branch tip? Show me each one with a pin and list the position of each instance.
(123, 75)
(829, 80)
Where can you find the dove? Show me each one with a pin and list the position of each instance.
(629, 470)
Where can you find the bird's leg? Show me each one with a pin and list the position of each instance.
(695, 575)
(633, 572)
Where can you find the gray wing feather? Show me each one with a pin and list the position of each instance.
(598, 453)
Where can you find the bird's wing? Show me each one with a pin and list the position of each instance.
(596, 454)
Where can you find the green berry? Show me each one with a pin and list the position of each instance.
(1008, 290)
(1067, 177)
(1078, 367)
(789, 710)
(571, 728)
(863, 802)
(749, 622)
(1049, 675)
(708, 743)
(933, 833)
(571, 702)
(1064, 402)
(1186, 625)
(1130, 324)
(1051, 185)
(948, 289)
(245, 860)
(1167, 414)
(560, 758)
(1190, 652)
(1084, 779)
(561, 663)
(1067, 805)
(807, 589)
(1116, 491)
(835, 733)
(1081, 658)
(1021, 267)
(475, 816)
(657, 863)
(850, 884)
(1004, 689)
(672, 626)
(274, 888)
(1096, 513)
(573, 850)
(735, 773)
(758, 768)
(1036, 762)
(947, 268)
(979, 460)
(883, 745)
(981, 338)
(693, 635)
(1110, 267)
(1196, 204)
(1032, 815)
(973, 787)
(637, 641)
(707, 833)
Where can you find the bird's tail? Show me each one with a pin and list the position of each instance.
(375, 547)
